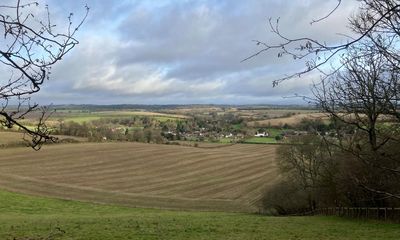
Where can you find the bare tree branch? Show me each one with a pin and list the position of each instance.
(29, 49)
(317, 54)
(328, 15)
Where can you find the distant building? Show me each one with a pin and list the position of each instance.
(171, 133)
(263, 134)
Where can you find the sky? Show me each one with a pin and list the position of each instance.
(185, 52)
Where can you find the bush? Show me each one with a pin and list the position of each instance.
(284, 198)
(278, 137)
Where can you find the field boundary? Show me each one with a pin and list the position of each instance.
(378, 213)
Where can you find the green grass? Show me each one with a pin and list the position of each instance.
(273, 132)
(225, 140)
(27, 217)
(82, 119)
(88, 117)
(237, 126)
(261, 140)
(135, 128)
(166, 119)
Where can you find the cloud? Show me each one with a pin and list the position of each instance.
(187, 51)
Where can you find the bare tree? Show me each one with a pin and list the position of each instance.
(29, 49)
(359, 88)
(377, 22)
(307, 162)
(365, 96)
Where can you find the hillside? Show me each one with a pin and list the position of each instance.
(25, 217)
(292, 120)
(226, 178)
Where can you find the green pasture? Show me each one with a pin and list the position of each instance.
(28, 217)
(88, 117)
(225, 140)
(273, 132)
(81, 119)
(260, 140)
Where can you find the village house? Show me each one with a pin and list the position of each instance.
(261, 134)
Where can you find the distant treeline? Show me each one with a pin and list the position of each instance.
(95, 107)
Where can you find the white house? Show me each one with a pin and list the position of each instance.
(263, 134)
(229, 135)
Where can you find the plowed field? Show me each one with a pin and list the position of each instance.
(230, 178)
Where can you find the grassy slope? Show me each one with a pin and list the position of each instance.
(292, 120)
(26, 217)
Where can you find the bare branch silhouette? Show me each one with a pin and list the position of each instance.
(31, 46)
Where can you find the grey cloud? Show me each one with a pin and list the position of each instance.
(177, 51)
(203, 40)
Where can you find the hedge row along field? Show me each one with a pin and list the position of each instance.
(230, 178)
